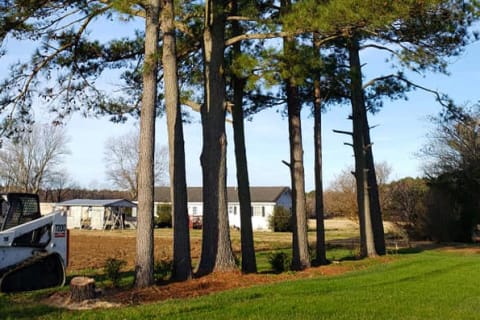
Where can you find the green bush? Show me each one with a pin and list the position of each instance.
(164, 216)
(162, 269)
(280, 261)
(281, 220)
(112, 269)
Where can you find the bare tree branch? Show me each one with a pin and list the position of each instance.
(440, 97)
(343, 132)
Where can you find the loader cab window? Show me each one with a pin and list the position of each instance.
(3, 211)
(4, 208)
(18, 208)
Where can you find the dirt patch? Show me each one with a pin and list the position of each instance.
(90, 249)
(62, 300)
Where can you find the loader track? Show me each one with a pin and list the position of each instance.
(42, 270)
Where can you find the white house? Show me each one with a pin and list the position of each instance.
(264, 200)
(97, 214)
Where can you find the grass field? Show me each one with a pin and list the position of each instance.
(435, 284)
(429, 285)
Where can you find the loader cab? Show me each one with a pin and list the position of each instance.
(33, 248)
(17, 209)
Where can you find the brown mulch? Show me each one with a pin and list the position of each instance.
(216, 282)
(220, 281)
(89, 250)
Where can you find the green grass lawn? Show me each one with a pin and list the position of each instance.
(425, 285)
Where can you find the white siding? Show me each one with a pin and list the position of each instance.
(46, 208)
(262, 211)
(97, 217)
(195, 209)
(234, 214)
(74, 218)
(77, 216)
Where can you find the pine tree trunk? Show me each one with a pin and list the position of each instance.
(300, 254)
(225, 260)
(249, 263)
(367, 245)
(144, 257)
(182, 262)
(375, 209)
(216, 253)
(321, 254)
(300, 259)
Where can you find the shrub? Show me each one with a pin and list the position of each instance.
(162, 269)
(281, 220)
(164, 216)
(112, 269)
(280, 261)
(406, 206)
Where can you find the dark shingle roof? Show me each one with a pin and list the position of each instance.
(258, 194)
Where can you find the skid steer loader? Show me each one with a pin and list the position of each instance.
(33, 248)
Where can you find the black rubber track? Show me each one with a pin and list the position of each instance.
(44, 272)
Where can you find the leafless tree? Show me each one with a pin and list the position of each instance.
(121, 159)
(340, 197)
(33, 159)
(454, 144)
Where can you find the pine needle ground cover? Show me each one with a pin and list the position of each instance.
(437, 284)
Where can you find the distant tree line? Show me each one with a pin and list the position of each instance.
(444, 205)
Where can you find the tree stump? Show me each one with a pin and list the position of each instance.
(82, 288)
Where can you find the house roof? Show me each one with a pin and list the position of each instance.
(98, 203)
(257, 194)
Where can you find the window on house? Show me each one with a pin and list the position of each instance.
(194, 211)
(234, 210)
(258, 211)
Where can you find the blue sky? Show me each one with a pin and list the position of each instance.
(401, 129)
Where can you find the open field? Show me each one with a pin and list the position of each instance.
(90, 248)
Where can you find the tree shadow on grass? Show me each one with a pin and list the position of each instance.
(415, 247)
(393, 247)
